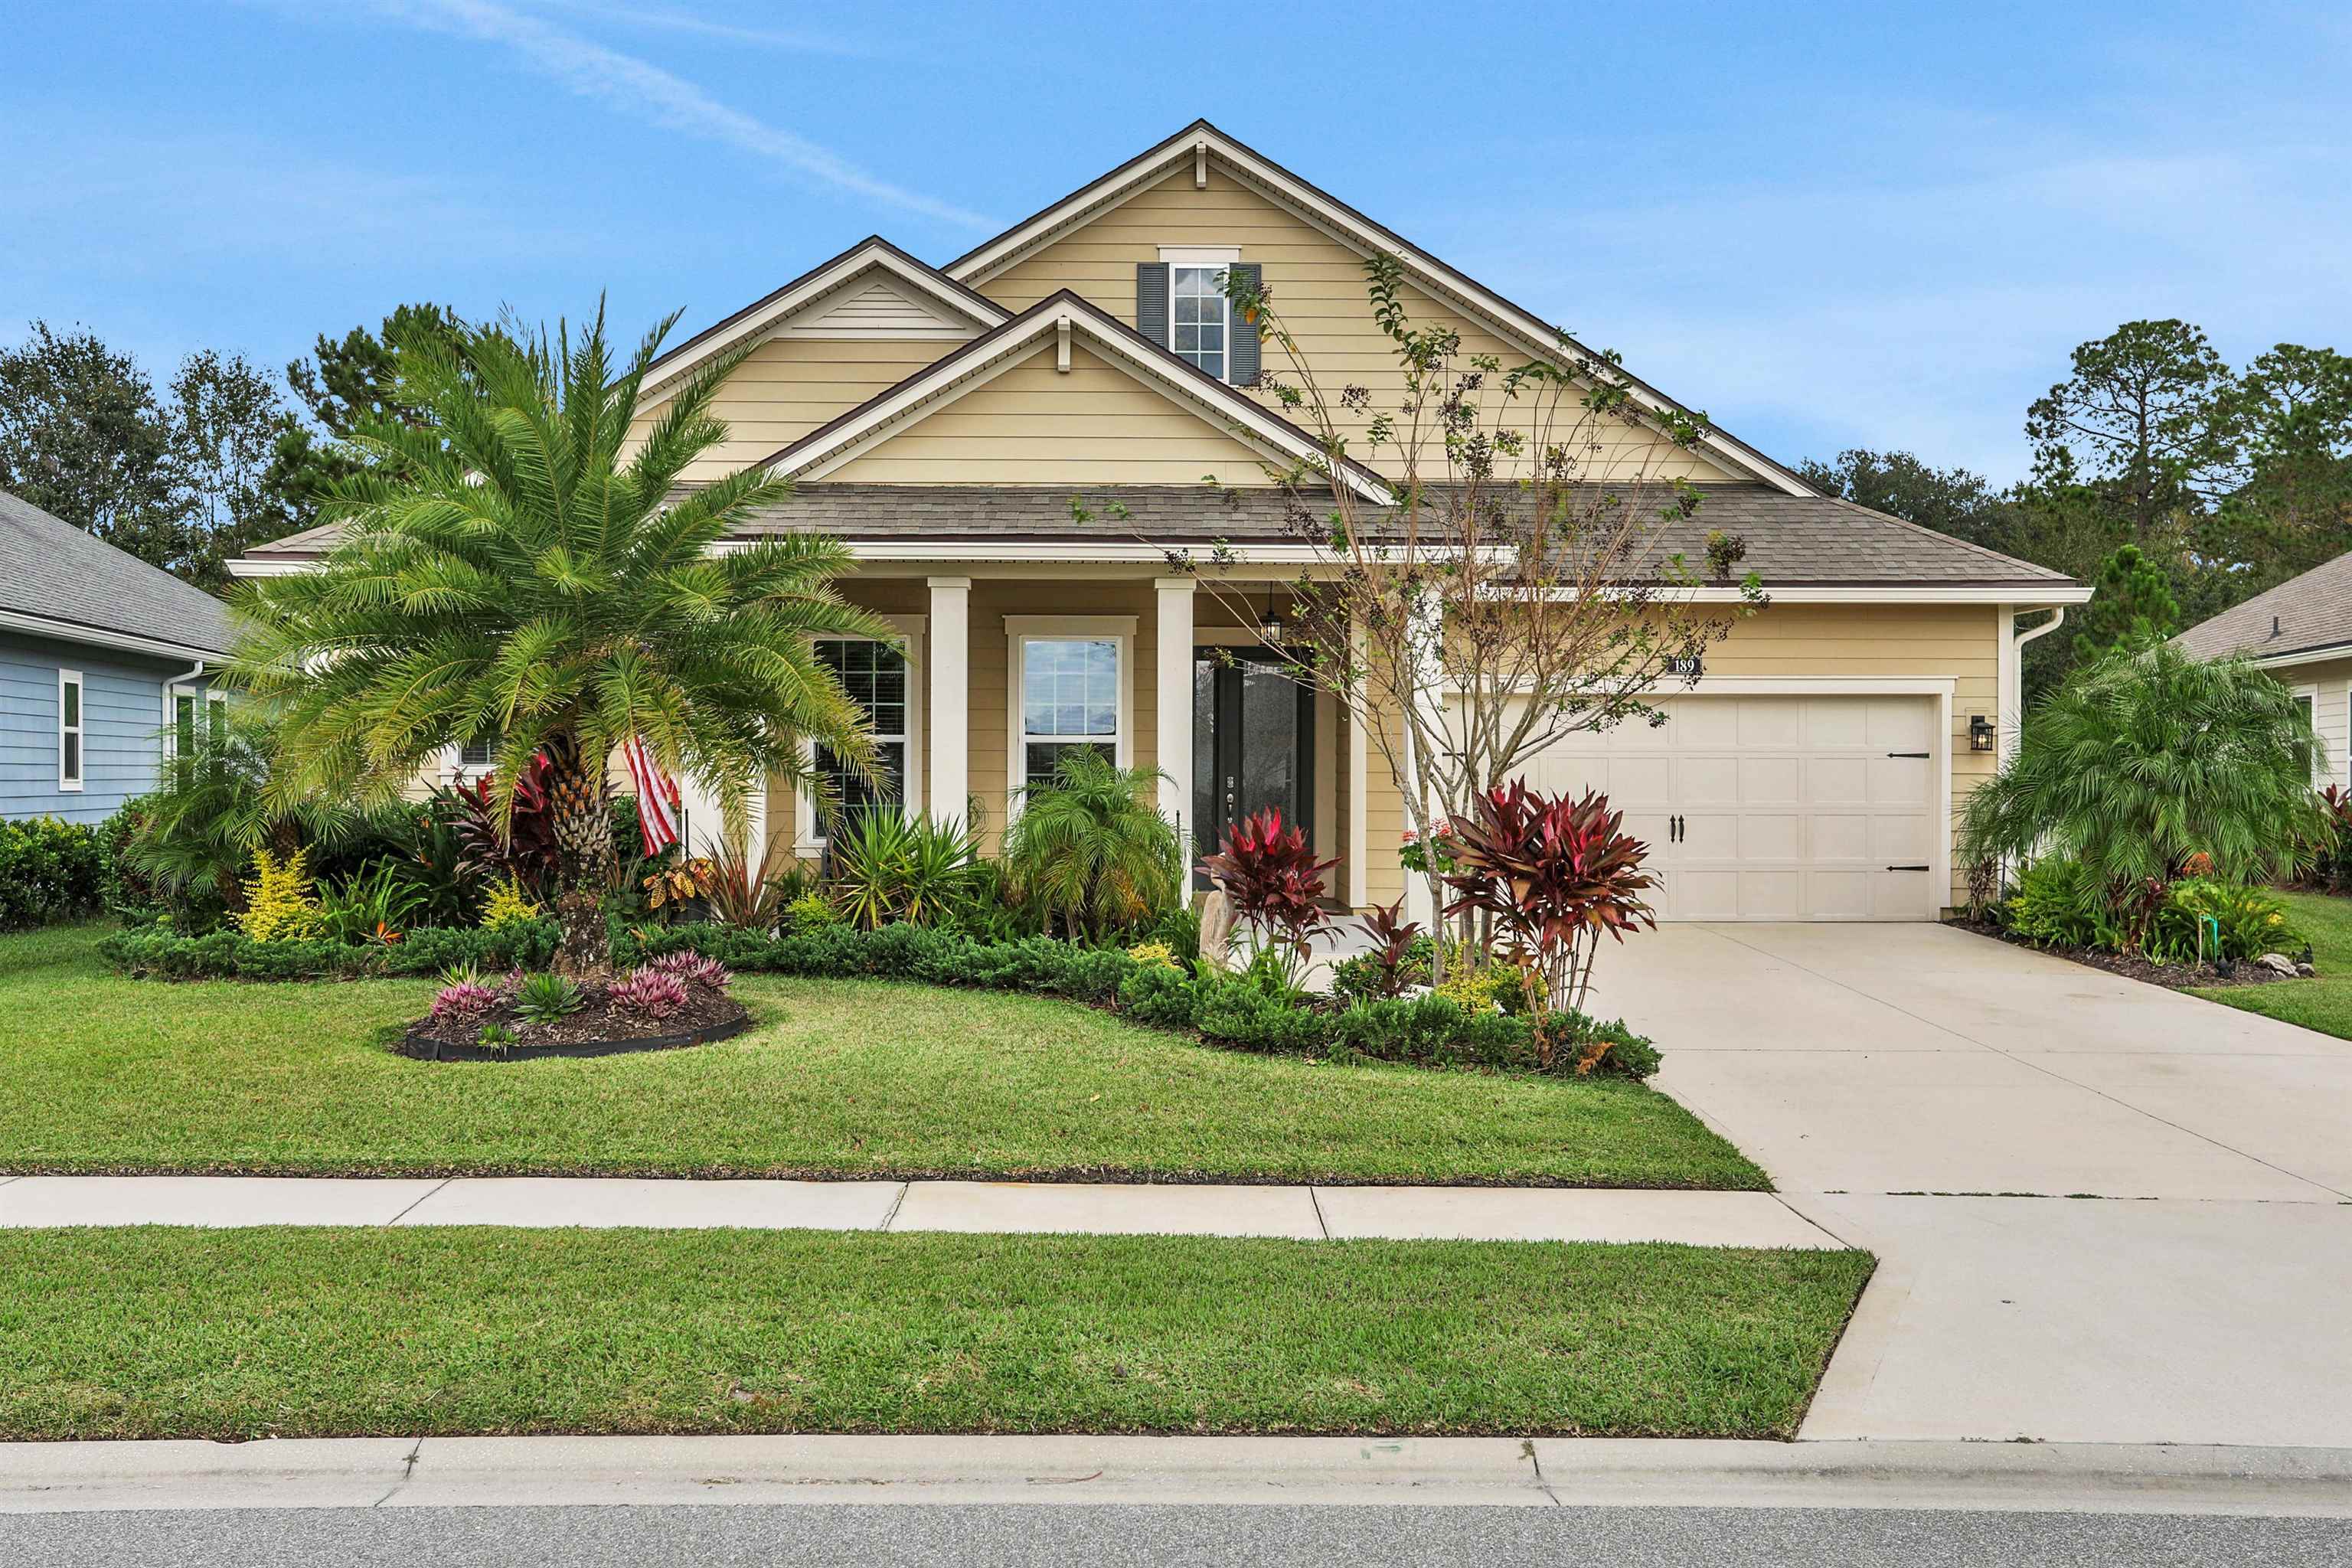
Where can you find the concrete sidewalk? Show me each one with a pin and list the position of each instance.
(1300, 1212)
(429, 1472)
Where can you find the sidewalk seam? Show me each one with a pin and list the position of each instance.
(412, 1208)
(1316, 1199)
(896, 1200)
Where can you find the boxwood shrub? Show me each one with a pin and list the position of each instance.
(160, 954)
(1232, 1011)
(50, 870)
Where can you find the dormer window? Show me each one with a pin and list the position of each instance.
(1181, 304)
(1200, 316)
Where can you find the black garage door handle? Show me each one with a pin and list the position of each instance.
(1921, 755)
(1907, 868)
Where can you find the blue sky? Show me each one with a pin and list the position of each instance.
(1830, 226)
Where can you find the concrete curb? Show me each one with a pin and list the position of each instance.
(367, 1472)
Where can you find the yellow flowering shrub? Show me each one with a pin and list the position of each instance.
(506, 902)
(279, 903)
(1155, 955)
(1478, 990)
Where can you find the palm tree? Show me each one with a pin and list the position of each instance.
(2147, 757)
(212, 807)
(1091, 848)
(508, 574)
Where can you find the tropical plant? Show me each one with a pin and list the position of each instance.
(495, 1038)
(218, 802)
(2327, 856)
(647, 995)
(749, 894)
(1155, 955)
(677, 885)
(1390, 966)
(1090, 851)
(2201, 919)
(888, 868)
(279, 905)
(466, 1003)
(694, 969)
(2146, 758)
(373, 905)
(506, 574)
(1554, 876)
(1274, 884)
(508, 835)
(547, 997)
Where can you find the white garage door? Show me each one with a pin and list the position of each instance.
(1775, 808)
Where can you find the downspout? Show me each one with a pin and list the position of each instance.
(171, 710)
(2012, 697)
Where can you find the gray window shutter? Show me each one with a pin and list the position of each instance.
(1151, 301)
(1242, 353)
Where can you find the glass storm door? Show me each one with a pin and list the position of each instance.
(1252, 744)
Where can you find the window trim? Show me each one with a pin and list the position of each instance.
(2308, 695)
(174, 690)
(1198, 262)
(910, 630)
(1022, 630)
(80, 730)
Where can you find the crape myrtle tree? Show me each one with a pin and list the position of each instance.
(508, 574)
(1520, 588)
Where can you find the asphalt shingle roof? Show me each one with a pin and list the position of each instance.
(2313, 611)
(53, 570)
(1791, 539)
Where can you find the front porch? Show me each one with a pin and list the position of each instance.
(1004, 667)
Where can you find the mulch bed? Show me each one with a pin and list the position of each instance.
(596, 1030)
(2132, 966)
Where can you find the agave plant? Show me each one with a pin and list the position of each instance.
(1554, 875)
(1272, 881)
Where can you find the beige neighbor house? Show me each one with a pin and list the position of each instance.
(942, 421)
(2301, 631)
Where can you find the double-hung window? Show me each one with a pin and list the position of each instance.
(69, 729)
(875, 676)
(1072, 696)
(1200, 317)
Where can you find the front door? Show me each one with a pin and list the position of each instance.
(1252, 744)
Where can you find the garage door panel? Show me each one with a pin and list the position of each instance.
(1788, 806)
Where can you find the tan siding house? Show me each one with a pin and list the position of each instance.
(1012, 444)
(2301, 631)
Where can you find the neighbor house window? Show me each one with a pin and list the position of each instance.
(875, 676)
(1198, 316)
(69, 729)
(189, 707)
(1070, 701)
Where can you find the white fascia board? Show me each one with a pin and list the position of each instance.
(99, 637)
(1537, 337)
(810, 290)
(2307, 656)
(2025, 599)
(1245, 418)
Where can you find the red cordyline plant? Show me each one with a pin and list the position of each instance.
(499, 846)
(1392, 936)
(1554, 875)
(1271, 878)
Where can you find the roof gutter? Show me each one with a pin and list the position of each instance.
(98, 637)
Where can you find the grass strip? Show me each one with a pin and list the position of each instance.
(160, 1332)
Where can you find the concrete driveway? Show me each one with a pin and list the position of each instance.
(1940, 1097)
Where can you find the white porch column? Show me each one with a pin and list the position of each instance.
(949, 696)
(1174, 631)
(1359, 714)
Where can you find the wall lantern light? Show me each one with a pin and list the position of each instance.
(1980, 732)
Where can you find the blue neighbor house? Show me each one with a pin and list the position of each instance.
(105, 666)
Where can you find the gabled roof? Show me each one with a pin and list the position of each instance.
(763, 314)
(2302, 617)
(56, 580)
(973, 364)
(1204, 141)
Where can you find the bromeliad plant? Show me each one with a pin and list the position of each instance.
(523, 564)
(1274, 884)
(1554, 876)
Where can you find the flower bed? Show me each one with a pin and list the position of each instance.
(1237, 1012)
(677, 1000)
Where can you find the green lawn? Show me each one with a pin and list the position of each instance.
(843, 1077)
(157, 1332)
(2323, 1002)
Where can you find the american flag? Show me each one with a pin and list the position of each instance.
(659, 802)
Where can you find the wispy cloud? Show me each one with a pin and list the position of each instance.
(639, 88)
(686, 22)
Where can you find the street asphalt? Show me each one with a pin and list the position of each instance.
(1147, 1536)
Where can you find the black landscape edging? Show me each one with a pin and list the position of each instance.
(424, 1047)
